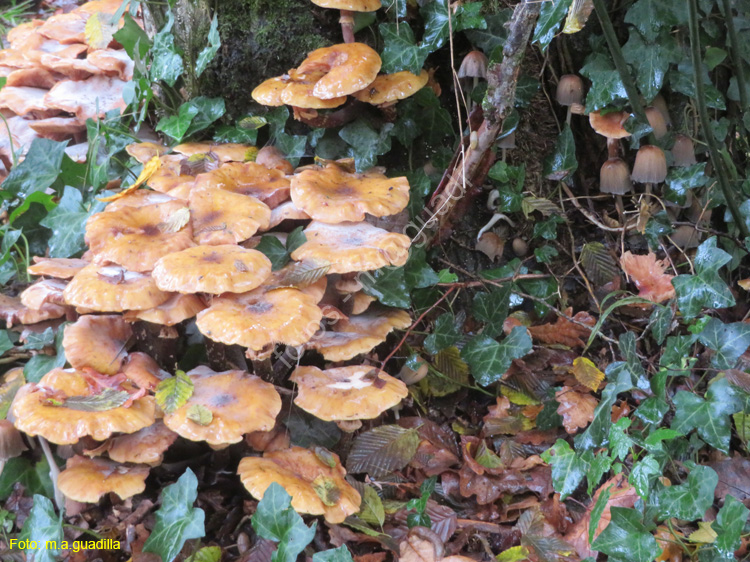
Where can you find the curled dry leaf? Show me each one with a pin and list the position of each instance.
(564, 331)
(648, 275)
(576, 408)
(421, 545)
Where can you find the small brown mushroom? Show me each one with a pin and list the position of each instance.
(472, 69)
(569, 92)
(683, 151)
(611, 127)
(657, 122)
(650, 166)
(11, 443)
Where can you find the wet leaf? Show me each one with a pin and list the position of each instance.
(33, 476)
(174, 392)
(67, 222)
(489, 360)
(388, 285)
(550, 18)
(340, 554)
(644, 472)
(705, 288)
(149, 169)
(626, 538)
(400, 51)
(492, 309)
(691, 499)
(41, 364)
(598, 263)
(651, 60)
(606, 86)
(167, 63)
(208, 52)
(38, 171)
(107, 399)
(206, 554)
(306, 430)
(382, 450)
(99, 30)
(587, 373)
(728, 341)
(302, 274)
(275, 520)
(199, 414)
(274, 250)
(372, 510)
(730, 522)
(562, 162)
(650, 17)
(568, 469)
(44, 527)
(445, 333)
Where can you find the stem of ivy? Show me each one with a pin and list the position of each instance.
(620, 64)
(700, 102)
(734, 48)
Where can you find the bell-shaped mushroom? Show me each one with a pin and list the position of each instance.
(683, 151)
(569, 93)
(657, 122)
(614, 178)
(650, 166)
(473, 68)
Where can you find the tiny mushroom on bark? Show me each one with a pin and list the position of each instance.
(87, 480)
(347, 17)
(569, 93)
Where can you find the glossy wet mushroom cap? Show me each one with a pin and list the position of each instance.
(270, 186)
(60, 268)
(300, 92)
(611, 124)
(350, 5)
(346, 68)
(98, 342)
(269, 91)
(569, 90)
(87, 480)
(177, 308)
(222, 217)
(650, 165)
(146, 446)
(272, 158)
(614, 177)
(388, 88)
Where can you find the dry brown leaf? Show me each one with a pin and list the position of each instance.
(563, 331)
(576, 409)
(587, 373)
(421, 545)
(648, 275)
(671, 551)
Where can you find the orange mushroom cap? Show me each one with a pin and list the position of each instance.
(257, 319)
(223, 217)
(172, 311)
(271, 157)
(239, 403)
(140, 198)
(143, 370)
(332, 195)
(13, 311)
(23, 100)
(58, 126)
(35, 416)
(113, 289)
(306, 478)
(43, 292)
(86, 480)
(87, 99)
(212, 269)
(388, 88)
(299, 92)
(285, 211)
(611, 124)
(352, 246)
(350, 5)
(145, 151)
(249, 178)
(36, 77)
(358, 392)
(97, 342)
(226, 152)
(112, 62)
(146, 446)
(65, 28)
(347, 68)
(269, 91)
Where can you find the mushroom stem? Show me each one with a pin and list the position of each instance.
(495, 218)
(54, 472)
(263, 368)
(568, 116)
(337, 118)
(620, 206)
(347, 25)
(612, 144)
(475, 83)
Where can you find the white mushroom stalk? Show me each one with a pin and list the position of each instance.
(494, 220)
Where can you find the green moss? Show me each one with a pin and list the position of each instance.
(261, 39)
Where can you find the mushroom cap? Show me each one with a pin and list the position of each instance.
(212, 269)
(112, 288)
(13, 311)
(350, 5)
(361, 301)
(358, 392)
(136, 238)
(569, 90)
(271, 157)
(86, 480)
(11, 442)
(346, 68)
(611, 124)
(60, 268)
(650, 165)
(170, 175)
(177, 308)
(300, 93)
(656, 120)
(249, 178)
(300, 471)
(240, 403)
(146, 446)
(76, 69)
(58, 126)
(65, 426)
(258, 319)
(269, 91)
(112, 62)
(388, 88)
(285, 211)
(350, 246)
(614, 177)
(103, 6)
(145, 151)
(683, 151)
(223, 217)
(661, 104)
(98, 342)
(36, 77)
(65, 28)
(87, 99)
(140, 198)
(474, 65)
(42, 292)
(23, 100)
(332, 195)
(143, 370)
(226, 152)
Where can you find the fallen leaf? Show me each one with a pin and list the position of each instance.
(648, 275)
(587, 373)
(563, 331)
(149, 169)
(421, 545)
(576, 409)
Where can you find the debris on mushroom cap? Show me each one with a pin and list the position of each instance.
(86, 480)
(474, 65)
(358, 392)
(350, 5)
(285, 211)
(347, 68)
(611, 124)
(388, 88)
(97, 342)
(136, 238)
(269, 91)
(42, 292)
(683, 151)
(614, 177)
(145, 151)
(657, 122)
(249, 178)
(332, 195)
(271, 157)
(87, 99)
(34, 414)
(650, 165)
(316, 487)
(11, 442)
(143, 370)
(299, 93)
(569, 90)
(112, 288)
(223, 217)
(177, 308)
(257, 319)
(239, 403)
(146, 446)
(13, 311)
(226, 152)
(350, 246)
(212, 269)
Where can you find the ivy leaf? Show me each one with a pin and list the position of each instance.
(37, 172)
(274, 250)
(568, 469)
(365, 143)
(41, 364)
(626, 538)
(437, 25)
(275, 520)
(705, 288)
(691, 499)
(132, 36)
(651, 16)
(550, 18)
(174, 392)
(492, 309)
(489, 359)
(728, 341)
(651, 61)
(209, 111)
(340, 554)
(33, 476)
(400, 50)
(729, 525)
(208, 52)
(643, 473)
(681, 180)
(619, 441)
(382, 450)
(562, 162)
(305, 430)
(44, 527)
(177, 520)
(598, 509)
(177, 125)
(295, 239)
(417, 272)
(606, 86)
(598, 467)
(67, 222)
(167, 63)
(444, 334)
(494, 35)
(388, 285)
(6, 343)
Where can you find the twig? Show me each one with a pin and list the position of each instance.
(735, 53)
(591, 217)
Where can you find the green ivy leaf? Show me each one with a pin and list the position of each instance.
(619, 441)
(680, 181)
(41, 364)
(562, 162)
(729, 524)
(728, 341)
(437, 26)
(365, 143)
(596, 512)
(705, 288)
(494, 35)
(651, 60)
(167, 63)
(274, 250)
(598, 467)
(340, 554)
(306, 430)
(67, 222)
(275, 520)
(295, 239)
(489, 359)
(568, 469)
(208, 52)
(44, 527)
(417, 272)
(133, 38)
(445, 333)
(651, 16)
(176, 126)
(37, 172)
(606, 86)
(174, 392)
(6, 343)
(209, 111)
(177, 520)
(643, 473)
(33, 476)
(691, 499)
(550, 18)
(388, 285)
(626, 538)
(492, 309)
(400, 50)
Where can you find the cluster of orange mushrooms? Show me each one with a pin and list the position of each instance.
(184, 249)
(59, 74)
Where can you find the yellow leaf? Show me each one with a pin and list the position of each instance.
(586, 373)
(97, 32)
(578, 15)
(514, 554)
(705, 533)
(517, 397)
(744, 283)
(251, 154)
(148, 170)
